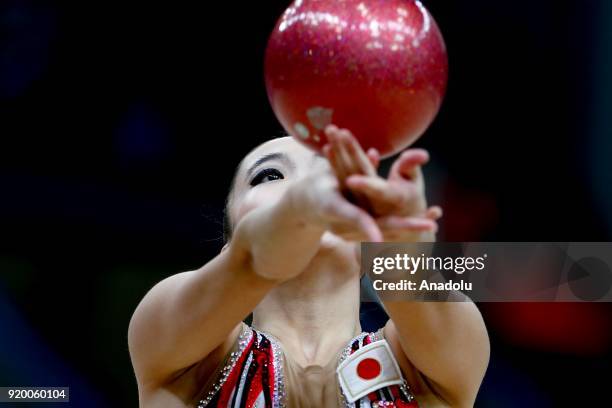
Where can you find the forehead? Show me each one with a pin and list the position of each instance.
(284, 145)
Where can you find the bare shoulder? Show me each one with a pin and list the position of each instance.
(143, 321)
(186, 387)
(159, 291)
(157, 382)
(182, 388)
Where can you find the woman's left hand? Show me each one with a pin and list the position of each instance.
(398, 203)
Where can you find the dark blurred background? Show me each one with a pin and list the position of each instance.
(121, 124)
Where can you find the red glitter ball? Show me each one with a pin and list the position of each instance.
(378, 68)
(368, 368)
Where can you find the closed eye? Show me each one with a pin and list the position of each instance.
(265, 176)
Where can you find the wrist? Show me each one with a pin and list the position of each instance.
(279, 238)
(299, 203)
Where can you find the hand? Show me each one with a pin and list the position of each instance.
(398, 203)
(318, 199)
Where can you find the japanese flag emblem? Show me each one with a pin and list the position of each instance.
(368, 369)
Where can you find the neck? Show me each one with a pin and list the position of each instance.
(315, 314)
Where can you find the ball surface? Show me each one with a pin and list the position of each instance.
(376, 67)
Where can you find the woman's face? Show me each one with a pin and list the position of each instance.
(266, 173)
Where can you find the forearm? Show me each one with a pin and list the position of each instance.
(446, 341)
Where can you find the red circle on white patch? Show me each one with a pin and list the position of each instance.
(368, 368)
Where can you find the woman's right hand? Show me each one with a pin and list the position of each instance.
(317, 197)
(283, 237)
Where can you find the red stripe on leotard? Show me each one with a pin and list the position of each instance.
(230, 383)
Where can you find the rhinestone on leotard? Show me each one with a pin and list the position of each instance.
(243, 341)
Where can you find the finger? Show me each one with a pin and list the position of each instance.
(374, 157)
(340, 157)
(434, 212)
(408, 224)
(407, 164)
(330, 129)
(351, 165)
(356, 153)
(373, 185)
(348, 165)
(337, 164)
(330, 154)
(353, 196)
(379, 190)
(325, 150)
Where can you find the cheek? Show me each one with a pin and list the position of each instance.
(262, 195)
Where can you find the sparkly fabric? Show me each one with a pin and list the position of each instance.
(253, 376)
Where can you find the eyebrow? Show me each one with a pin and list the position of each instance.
(268, 157)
